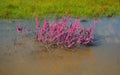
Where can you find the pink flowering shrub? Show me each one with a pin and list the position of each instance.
(64, 33)
(19, 28)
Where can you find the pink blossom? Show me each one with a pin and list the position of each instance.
(19, 28)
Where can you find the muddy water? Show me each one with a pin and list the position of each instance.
(23, 55)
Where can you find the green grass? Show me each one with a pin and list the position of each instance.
(76, 8)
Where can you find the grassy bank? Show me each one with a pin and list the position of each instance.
(76, 8)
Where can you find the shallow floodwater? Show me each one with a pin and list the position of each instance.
(23, 55)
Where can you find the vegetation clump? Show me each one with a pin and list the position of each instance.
(63, 33)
